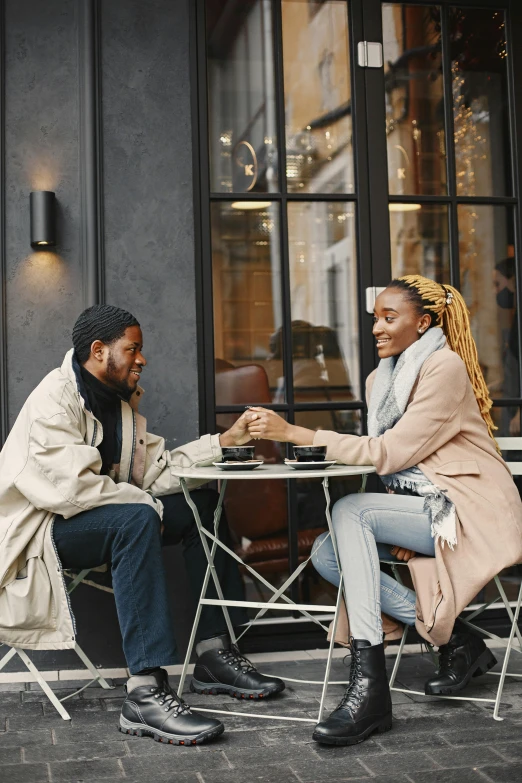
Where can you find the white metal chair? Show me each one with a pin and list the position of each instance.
(55, 701)
(505, 444)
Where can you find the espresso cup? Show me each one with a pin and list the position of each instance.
(310, 453)
(237, 453)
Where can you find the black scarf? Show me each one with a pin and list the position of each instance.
(105, 404)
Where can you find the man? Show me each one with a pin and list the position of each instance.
(80, 486)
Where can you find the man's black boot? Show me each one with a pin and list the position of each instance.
(366, 706)
(220, 668)
(463, 657)
(152, 709)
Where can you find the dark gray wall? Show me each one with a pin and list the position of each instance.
(147, 207)
(147, 218)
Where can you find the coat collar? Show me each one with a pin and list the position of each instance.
(71, 369)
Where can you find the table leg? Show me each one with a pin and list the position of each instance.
(210, 569)
(338, 602)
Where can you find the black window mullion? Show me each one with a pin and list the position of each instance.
(293, 549)
(207, 417)
(451, 176)
(514, 75)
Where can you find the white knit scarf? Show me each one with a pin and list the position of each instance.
(391, 391)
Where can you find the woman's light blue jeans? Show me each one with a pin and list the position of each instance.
(366, 526)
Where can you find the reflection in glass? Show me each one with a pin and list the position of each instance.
(316, 62)
(488, 284)
(247, 300)
(241, 103)
(419, 241)
(323, 286)
(480, 101)
(414, 99)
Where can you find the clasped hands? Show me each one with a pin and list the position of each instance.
(261, 423)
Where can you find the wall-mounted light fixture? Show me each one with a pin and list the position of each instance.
(43, 222)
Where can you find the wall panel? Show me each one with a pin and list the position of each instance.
(147, 165)
(43, 290)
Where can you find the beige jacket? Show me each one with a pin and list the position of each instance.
(50, 465)
(443, 433)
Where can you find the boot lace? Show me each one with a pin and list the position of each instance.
(353, 694)
(169, 699)
(233, 657)
(446, 657)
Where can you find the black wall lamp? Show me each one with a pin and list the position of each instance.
(43, 218)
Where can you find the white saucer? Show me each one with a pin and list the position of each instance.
(250, 465)
(293, 463)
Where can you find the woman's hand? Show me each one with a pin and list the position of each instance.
(238, 433)
(268, 425)
(402, 554)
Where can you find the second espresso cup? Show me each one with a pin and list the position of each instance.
(310, 453)
(237, 453)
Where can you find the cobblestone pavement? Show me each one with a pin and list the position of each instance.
(432, 739)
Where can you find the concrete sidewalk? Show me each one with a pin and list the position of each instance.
(432, 740)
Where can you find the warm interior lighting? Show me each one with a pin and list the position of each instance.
(404, 207)
(42, 243)
(250, 204)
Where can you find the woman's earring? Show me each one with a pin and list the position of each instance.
(421, 331)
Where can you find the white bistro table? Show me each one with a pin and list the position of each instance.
(278, 600)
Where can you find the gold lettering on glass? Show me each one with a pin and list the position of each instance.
(245, 170)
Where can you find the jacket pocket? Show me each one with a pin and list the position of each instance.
(27, 602)
(464, 467)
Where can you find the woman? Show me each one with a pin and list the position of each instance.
(452, 499)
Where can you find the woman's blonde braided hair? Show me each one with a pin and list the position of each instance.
(451, 314)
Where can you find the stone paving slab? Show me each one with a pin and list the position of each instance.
(433, 741)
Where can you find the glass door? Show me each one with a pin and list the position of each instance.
(286, 253)
(321, 179)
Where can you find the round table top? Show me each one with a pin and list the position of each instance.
(271, 472)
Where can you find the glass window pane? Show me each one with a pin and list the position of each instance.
(325, 318)
(414, 91)
(247, 302)
(419, 240)
(480, 101)
(316, 62)
(488, 284)
(347, 422)
(241, 102)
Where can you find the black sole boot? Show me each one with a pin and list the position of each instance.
(152, 709)
(225, 670)
(463, 657)
(366, 706)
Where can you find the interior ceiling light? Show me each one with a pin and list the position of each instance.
(394, 207)
(250, 204)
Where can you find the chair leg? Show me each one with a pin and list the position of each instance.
(514, 628)
(43, 684)
(7, 657)
(92, 668)
(399, 656)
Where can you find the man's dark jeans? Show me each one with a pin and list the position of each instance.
(128, 537)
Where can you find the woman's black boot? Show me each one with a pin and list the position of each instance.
(463, 657)
(366, 706)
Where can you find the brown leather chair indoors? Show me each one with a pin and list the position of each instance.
(257, 511)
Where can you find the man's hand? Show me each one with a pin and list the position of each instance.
(238, 433)
(402, 554)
